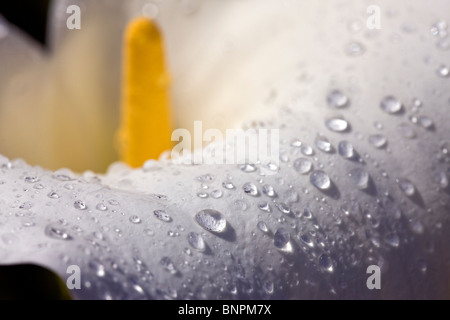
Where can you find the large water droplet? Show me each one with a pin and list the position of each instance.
(337, 124)
(378, 141)
(406, 186)
(391, 105)
(360, 178)
(346, 149)
(168, 265)
(211, 220)
(320, 180)
(323, 144)
(56, 232)
(337, 99)
(196, 241)
(282, 240)
(250, 189)
(162, 215)
(303, 165)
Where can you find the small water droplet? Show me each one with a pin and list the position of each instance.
(296, 143)
(216, 194)
(440, 177)
(53, 195)
(38, 186)
(26, 205)
(406, 186)
(269, 191)
(355, 49)
(323, 144)
(320, 180)
(326, 264)
(306, 239)
(202, 195)
(211, 220)
(250, 189)
(337, 124)
(378, 141)
(393, 240)
(391, 105)
(248, 168)
(162, 215)
(264, 206)
(422, 265)
(262, 226)
(303, 165)
(425, 122)
(443, 71)
(206, 178)
(135, 219)
(360, 178)
(282, 240)
(196, 241)
(346, 150)
(80, 205)
(113, 202)
(101, 207)
(406, 131)
(307, 150)
(283, 208)
(337, 99)
(168, 265)
(56, 232)
(31, 179)
(268, 287)
(228, 185)
(97, 267)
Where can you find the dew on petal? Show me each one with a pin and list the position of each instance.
(211, 220)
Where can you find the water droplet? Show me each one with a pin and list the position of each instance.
(346, 149)
(443, 71)
(323, 144)
(268, 287)
(440, 177)
(360, 178)
(422, 265)
(80, 205)
(113, 202)
(320, 180)
(355, 49)
(202, 195)
(406, 186)
(296, 143)
(26, 205)
(307, 150)
(337, 124)
(228, 185)
(211, 220)
(53, 195)
(196, 241)
(306, 239)
(282, 240)
(240, 205)
(378, 125)
(393, 240)
(101, 207)
(135, 219)
(391, 105)
(162, 215)
(56, 232)
(216, 194)
(262, 226)
(378, 141)
(268, 191)
(62, 177)
(97, 267)
(38, 186)
(264, 206)
(406, 131)
(425, 122)
(326, 264)
(206, 178)
(168, 265)
(303, 165)
(283, 208)
(337, 99)
(250, 189)
(248, 168)
(31, 179)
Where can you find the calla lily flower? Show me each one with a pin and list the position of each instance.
(362, 183)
